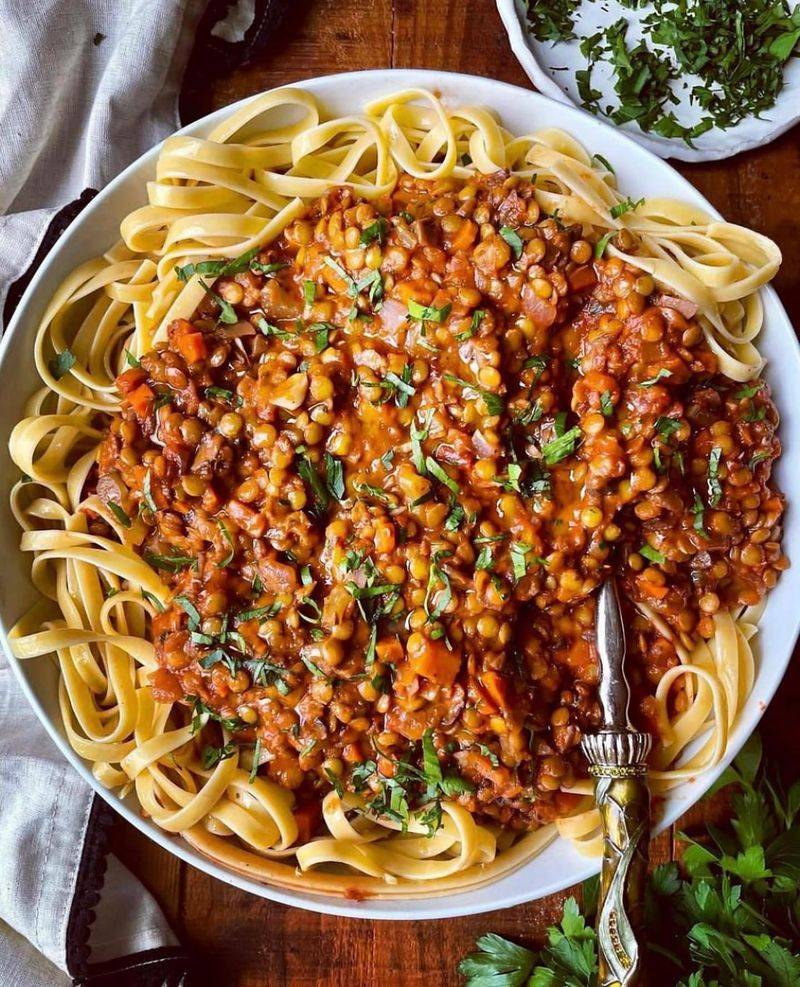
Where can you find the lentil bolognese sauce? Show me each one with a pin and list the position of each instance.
(385, 467)
(334, 447)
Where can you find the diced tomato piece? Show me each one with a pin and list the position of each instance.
(129, 380)
(582, 278)
(141, 400)
(165, 685)
(307, 815)
(166, 621)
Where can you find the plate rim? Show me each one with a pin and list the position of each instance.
(458, 903)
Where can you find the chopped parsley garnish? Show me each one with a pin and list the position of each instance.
(513, 239)
(428, 313)
(748, 391)
(61, 364)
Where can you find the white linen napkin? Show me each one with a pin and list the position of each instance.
(86, 86)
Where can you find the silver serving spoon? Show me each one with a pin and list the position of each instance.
(617, 757)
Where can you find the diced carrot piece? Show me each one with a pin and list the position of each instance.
(192, 346)
(651, 589)
(433, 660)
(390, 651)
(141, 399)
(465, 237)
(497, 687)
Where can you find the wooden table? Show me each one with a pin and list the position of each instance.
(243, 940)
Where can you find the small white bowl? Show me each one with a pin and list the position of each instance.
(551, 68)
(639, 173)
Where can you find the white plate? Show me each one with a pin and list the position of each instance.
(522, 111)
(551, 68)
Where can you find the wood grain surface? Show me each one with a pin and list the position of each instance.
(240, 940)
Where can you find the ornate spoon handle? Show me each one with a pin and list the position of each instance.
(618, 760)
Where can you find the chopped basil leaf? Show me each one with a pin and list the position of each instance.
(375, 231)
(561, 447)
(428, 313)
(652, 554)
(227, 536)
(714, 486)
(603, 161)
(256, 759)
(698, 509)
(213, 755)
(436, 470)
(190, 610)
(606, 404)
(309, 292)
(319, 492)
(334, 476)
(131, 360)
(625, 206)
(119, 514)
(654, 380)
(418, 435)
(477, 317)
(513, 239)
(602, 243)
(170, 563)
(259, 613)
(494, 403)
(666, 426)
(147, 493)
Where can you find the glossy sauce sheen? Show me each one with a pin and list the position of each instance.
(386, 522)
